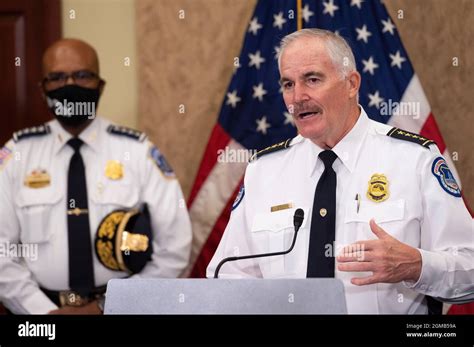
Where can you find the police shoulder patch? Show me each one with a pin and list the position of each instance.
(157, 157)
(127, 132)
(239, 197)
(31, 132)
(408, 136)
(445, 177)
(273, 148)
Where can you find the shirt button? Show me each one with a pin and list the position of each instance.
(323, 212)
(423, 287)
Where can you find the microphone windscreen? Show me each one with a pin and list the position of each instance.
(298, 218)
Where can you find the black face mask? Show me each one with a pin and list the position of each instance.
(73, 105)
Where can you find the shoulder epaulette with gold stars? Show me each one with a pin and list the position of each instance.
(125, 131)
(31, 132)
(273, 148)
(408, 136)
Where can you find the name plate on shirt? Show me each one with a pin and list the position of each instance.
(281, 207)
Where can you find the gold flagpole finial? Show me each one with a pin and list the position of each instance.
(299, 14)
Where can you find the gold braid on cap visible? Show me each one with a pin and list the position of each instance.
(107, 229)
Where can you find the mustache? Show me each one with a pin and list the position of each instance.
(305, 107)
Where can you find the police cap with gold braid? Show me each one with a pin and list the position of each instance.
(124, 240)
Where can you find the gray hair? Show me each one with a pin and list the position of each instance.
(337, 47)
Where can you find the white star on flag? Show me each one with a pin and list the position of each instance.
(232, 99)
(330, 8)
(397, 59)
(259, 92)
(388, 26)
(256, 59)
(369, 65)
(262, 125)
(289, 118)
(375, 99)
(279, 20)
(307, 13)
(357, 3)
(254, 26)
(363, 34)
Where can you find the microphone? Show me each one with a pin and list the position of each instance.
(298, 218)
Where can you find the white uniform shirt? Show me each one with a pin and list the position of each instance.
(38, 215)
(418, 212)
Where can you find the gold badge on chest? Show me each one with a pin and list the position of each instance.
(378, 188)
(38, 179)
(114, 170)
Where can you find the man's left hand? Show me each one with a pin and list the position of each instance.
(389, 260)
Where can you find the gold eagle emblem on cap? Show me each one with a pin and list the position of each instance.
(378, 188)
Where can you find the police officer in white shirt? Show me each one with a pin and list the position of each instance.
(74, 189)
(383, 212)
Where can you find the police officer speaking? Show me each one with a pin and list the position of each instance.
(384, 213)
(99, 201)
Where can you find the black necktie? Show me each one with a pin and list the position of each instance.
(81, 270)
(323, 221)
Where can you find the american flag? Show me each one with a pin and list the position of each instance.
(253, 115)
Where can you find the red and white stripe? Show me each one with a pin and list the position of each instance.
(211, 199)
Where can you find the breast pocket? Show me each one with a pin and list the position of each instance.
(117, 196)
(273, 232)
(387, 214)
(36, 209)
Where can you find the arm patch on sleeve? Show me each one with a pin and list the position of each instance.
(160, 162)
(445, 177)
(239, 197)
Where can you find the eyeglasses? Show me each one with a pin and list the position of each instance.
(83, 78)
